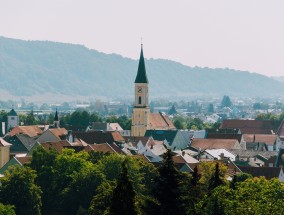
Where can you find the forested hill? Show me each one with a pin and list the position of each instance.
(36, 67)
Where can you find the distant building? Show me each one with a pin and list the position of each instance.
(13, 119)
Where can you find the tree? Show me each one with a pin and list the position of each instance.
(43, 163)
(173, 110)
(215, 180)
(123, 199)
(30, 119)
(252, 196)
(7, 209)
(208, 170)
(195, 176)
(103, 198)
(210, 109)
(226, 102)
(179, 122)
(167, 190)
(19, 189)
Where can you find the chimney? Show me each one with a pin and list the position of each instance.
(222, 156)
(183, 153)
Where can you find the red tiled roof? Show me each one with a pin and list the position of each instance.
(267, 172)
(260, 138)
(92, 137)
(213, 143)
(24, 160)
(58, 146)
(224, 136)
(178, 159)
(158, 121)
(59, 132)
(31, 131)
(134, 140)
(252, 126)
(106, 148)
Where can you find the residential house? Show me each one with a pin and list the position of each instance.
(269, 142)
(254, 158)
(217, 154)
(252, 126)
(19, 161)
(4, 152)
(203, 144)
(54, 134)
(173, 139)
(267, 172)
(96, 137)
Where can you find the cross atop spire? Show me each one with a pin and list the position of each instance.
(141, 76)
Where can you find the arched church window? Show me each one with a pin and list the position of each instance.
(139, 100)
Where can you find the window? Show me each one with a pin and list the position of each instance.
(139, 100)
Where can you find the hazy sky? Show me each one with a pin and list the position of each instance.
(239, 34)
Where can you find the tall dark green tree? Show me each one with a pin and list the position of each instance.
(167, 190)
(123, 199)
(226, 101)
(210, 109)
(173, 110)
(215, 180)
(195, 176)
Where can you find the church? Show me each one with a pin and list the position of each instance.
(142, 118)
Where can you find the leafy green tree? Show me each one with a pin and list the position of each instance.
(252, 196)
(19, 189)
(123, 199)
(102, 200)
(226, 101)
(7, 209)
(242, 177)
(43, 163)
(30, 119)
(179, 122)
(208, 171)
(84, 183)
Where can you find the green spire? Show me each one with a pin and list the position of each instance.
(141, 73)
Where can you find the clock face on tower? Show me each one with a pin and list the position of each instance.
(139, 90)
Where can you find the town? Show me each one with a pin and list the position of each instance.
(218, 156)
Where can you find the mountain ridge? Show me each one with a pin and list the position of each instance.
(75, 70)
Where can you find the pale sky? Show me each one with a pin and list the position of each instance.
(239, 34)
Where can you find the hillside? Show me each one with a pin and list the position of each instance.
(29, 68)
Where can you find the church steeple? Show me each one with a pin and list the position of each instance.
(141, 76)
(56, 119)
(141, 110)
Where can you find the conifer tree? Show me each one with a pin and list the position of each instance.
(215, 180)
(167, 190)
(123, 199)
(195, 176)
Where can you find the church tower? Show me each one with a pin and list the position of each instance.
(13, 119)
(141, 110)
(56, 120)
